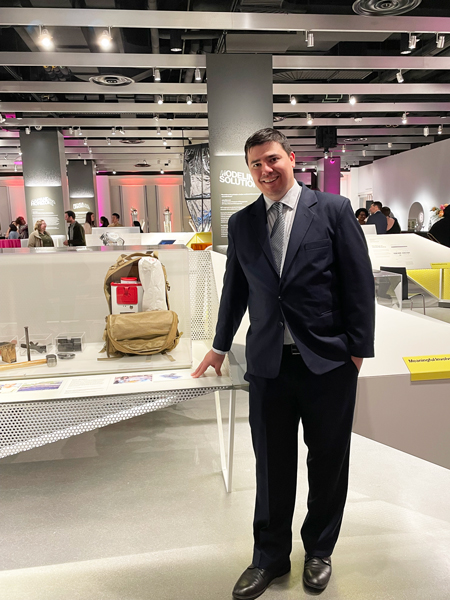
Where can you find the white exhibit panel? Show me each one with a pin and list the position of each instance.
(174, 237)
(369, 230)
(405, 250)
(65, 294)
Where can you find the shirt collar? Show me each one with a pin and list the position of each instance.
(289, 199)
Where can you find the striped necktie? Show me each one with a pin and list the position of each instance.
(277, 235)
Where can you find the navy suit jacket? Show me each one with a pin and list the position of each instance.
(325, 292)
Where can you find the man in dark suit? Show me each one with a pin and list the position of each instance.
(298, 260)
(377, 218)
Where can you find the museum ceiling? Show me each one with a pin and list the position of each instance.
(99, 70)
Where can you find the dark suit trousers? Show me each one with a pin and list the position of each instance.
(325, 405)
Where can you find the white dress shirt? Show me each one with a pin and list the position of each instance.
(290, 203)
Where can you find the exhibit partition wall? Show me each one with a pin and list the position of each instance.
(240, 101)
(44, 173)
(82, 191)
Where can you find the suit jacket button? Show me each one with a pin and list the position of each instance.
(281, 324)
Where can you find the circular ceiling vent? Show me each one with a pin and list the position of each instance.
(144, 163)
(384, 8)
(112, 80)
(132, 141)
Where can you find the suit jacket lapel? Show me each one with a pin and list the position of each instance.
(302, 222)
(259, 223)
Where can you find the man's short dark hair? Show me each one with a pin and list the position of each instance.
(380, 206)
(70, 213)
(116, 215)
(267, 135)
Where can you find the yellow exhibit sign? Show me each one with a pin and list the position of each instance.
(425, 368)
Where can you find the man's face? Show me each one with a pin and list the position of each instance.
(373, 209)
(272, 169)
(67, 218)
(114, 219)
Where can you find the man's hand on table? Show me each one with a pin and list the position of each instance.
(212, 359)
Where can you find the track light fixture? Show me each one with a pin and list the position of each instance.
(15, 168)
(404, 118)
(113, 130)
(309, 39)
(169, 131)
(189, 100)
(400, 76)
(412, 41)
(198, 75)
(84, 162)
(325, 154)
(389, 144)
(164, 142)
(364, 152)
(114, 172)
(156, 75)
(293, 100)
(352, 100)
(45, 39)
(440, 41)
(343, 147)
(79, 131)
(404, 41)
(309, 119)
(90, 150)
(108, 141)
(27, 130)
(160, 99)
(162, 171)
(158, 131)
(19, 151)
(440, 130)
(426, 131)
(303, 169)
(105, 40)
(122, 131)
(70, 130)
(85, 142)
(176, 45)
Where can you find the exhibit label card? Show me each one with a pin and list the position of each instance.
(425, 368)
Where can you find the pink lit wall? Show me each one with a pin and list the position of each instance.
(103, 198)
(168, 196)
(329, 175)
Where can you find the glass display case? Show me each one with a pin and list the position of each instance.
(58, 293)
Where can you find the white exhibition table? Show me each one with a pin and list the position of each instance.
(410, 416)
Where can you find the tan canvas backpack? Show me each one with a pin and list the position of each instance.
(150, 332)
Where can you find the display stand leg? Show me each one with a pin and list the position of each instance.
(226, 462)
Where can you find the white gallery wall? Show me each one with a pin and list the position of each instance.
(421, 175)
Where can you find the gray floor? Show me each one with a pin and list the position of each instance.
(138, 511)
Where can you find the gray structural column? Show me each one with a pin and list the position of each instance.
(82, 189)
(44, 173)
(240, 101)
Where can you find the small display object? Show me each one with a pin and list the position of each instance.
(167, 221)
(126, 296)
(40, 343)
(70, 342)
(8, 352)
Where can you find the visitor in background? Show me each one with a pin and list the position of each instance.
(137, 224)
(12, 233)
(392, 223)
(75, 233)
(89, 223)
(115, 220)
(361, 214)
(377, 218)
(441, 229)
(22, 228)
(39, 237)
(104, 222)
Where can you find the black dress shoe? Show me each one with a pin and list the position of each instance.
(317, 571)
(254, 581)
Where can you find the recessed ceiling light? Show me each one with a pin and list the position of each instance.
(105, 39)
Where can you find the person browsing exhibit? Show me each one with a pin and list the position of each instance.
(298, 260)
(39, 237)
(75, 231)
